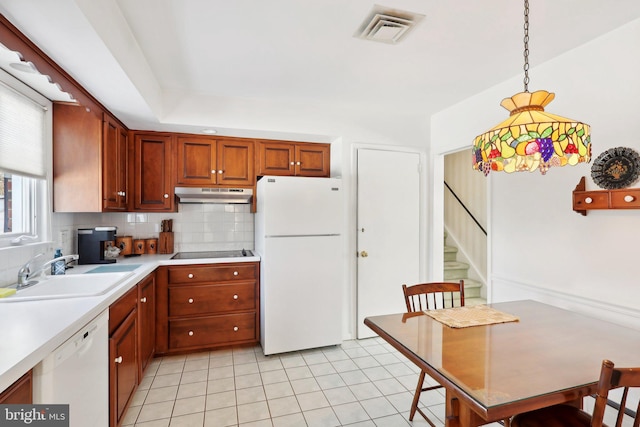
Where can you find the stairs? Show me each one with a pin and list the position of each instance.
(455, 270)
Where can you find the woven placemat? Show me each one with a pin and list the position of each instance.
(477, 315)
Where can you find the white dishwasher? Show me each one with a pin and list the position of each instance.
(77, 373)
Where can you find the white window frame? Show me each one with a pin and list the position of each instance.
(40, 189)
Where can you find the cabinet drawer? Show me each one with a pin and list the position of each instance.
(627, 198)
(205, 299)
(214, 330)
(119, 310)
(211, 273)
(590, 200)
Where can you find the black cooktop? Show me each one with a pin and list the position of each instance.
(213, 254)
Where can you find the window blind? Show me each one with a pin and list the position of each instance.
(22, 122)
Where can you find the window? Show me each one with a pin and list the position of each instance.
(25, 135)
(16, 204)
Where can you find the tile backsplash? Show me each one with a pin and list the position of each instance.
(196, 227)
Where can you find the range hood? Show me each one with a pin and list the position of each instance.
(213, 195)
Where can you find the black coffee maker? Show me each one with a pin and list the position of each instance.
(91, 244)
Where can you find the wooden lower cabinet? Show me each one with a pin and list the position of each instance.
(131, 345)
(123, 355)
(147, 320)
(207, 306)
(19, 392)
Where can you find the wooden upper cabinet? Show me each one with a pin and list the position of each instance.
(77, 159)
(313, 159)
(276, 158)
(293, 158)
(153, 172)
(196, 161)
(214, 161)
(89, 160)
(115, 165)
(236, 163)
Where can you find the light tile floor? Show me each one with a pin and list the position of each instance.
(361, 383)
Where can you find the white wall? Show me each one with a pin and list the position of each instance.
(539, 247)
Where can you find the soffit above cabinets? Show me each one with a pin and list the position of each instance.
(11, 62)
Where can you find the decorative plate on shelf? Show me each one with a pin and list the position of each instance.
(617, 167)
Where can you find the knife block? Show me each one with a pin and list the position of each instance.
(165, 242)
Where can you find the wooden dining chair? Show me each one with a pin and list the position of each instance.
(570, 416)
(430, 296)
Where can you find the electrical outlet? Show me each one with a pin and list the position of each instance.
(64, 241)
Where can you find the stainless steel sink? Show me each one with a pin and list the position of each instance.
(69, 286)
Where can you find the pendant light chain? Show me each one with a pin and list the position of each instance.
(526, 45)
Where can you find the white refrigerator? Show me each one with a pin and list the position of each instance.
(299, 227)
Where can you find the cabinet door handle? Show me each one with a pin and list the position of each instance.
(190, 300)
(118, 359)
(166, 196)
(235, 273)
(220, 171)
(293, 163)
(235, 297)
(235, 329)
(190, 275)
(143, 299)
(213, 171)
(190, 333)
(298, 163)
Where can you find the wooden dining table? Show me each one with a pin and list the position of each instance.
(490, 372)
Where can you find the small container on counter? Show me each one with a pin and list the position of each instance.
(138, 246)
(125, 243)
(151, 246)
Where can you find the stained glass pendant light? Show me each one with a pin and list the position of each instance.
(531, 138)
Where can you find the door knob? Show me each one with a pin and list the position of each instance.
(364, 254)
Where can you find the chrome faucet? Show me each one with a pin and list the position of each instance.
(25, 274)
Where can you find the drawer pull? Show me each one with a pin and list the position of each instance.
(190, 333)
(235, 273)
(235, 297)
(190, 300)
(235, 328)
(143, 299)
(588, 200)
(118, 359)
(629, 198)
(190, 276)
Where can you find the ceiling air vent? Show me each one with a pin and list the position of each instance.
(387, 25)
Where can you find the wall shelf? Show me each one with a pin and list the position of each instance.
(624, 198)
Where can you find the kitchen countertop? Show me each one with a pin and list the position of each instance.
(33, 329)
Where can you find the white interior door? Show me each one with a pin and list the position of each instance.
(388, 231)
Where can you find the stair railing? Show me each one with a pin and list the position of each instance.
(465, 208)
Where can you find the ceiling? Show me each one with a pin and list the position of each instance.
(246, 66)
